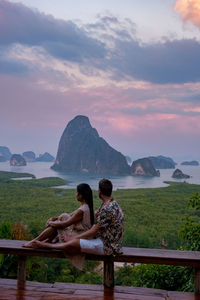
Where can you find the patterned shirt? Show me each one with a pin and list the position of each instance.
(110, 220)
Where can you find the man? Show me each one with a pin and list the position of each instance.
(105, 236)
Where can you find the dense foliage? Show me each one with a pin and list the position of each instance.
(151, 216)
(169, 277)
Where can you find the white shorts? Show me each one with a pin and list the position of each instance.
(93, 246)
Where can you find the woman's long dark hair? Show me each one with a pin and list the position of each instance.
(85, 190)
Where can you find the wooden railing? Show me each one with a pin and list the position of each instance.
(131, 255)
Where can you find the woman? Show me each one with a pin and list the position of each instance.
(61, 227)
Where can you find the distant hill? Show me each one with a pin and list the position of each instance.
(5, 154)
(190, 163)
(46, 157)
(143, 167)
(81, 149)
(162, 162)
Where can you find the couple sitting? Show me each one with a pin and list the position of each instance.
(78, 233)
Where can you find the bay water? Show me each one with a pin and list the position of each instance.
(42, 169)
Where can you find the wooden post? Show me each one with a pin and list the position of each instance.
(108, 273)
(197, 281)
(21, 272)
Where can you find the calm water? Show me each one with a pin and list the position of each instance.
(42, 169)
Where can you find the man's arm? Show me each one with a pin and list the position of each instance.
(89, 234)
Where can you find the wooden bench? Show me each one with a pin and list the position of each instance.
(131, 255)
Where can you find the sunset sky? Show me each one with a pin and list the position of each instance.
(132, 67)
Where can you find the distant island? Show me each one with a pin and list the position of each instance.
(178, 174)
(190, 163)
(143, 167)
(162, 162)
(17, 160)
(5, 154)
(29, 156)
(46, 157)
(22, 159)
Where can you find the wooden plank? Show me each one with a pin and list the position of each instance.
(21, 272)
(108, 273)
(182, 296)
(78, 286)
(139, 255)
(117, 293)
(141, 291)
(197, 281)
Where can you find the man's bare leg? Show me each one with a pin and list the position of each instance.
(49, 233)
(71, 247)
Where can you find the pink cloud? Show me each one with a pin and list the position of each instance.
(189, 11)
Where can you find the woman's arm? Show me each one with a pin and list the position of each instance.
(51, 220)
(75, 218)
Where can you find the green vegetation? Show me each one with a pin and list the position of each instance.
(151, 216)
(7, 176)
(169, 277)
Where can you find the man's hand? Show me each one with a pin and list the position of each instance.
(68, 238)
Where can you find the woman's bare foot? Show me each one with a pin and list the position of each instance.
(55, 240)
(28, 244)
(38, 244)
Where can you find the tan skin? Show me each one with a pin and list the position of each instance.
(72, 244)
(49, 234)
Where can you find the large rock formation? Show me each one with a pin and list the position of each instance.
(143, 167)
(29, 156)
(46, 157)
(81, 149)
(178, 174)
(4, 154)
(162, 162)
(17, 160)
(190, 163)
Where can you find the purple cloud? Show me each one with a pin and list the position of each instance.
(62, 39)
(120, 53)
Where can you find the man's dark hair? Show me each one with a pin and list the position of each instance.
(105, 186)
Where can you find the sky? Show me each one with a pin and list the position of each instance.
(132, 67)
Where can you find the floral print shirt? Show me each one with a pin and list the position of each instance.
(110, 220)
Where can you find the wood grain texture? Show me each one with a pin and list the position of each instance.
(57, 291)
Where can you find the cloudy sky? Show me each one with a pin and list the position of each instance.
(132, 67)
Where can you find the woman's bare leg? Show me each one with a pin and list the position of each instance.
(47, 234)
(71, 247)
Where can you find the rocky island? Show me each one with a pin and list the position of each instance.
(81, 149)
(190, 163)
(5, 154)
(143, 167)
(29, 156)
(46, 157)
(17, 160)
(178, 174)
(162, 162)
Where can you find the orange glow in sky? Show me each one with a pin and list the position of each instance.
(189, 10)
